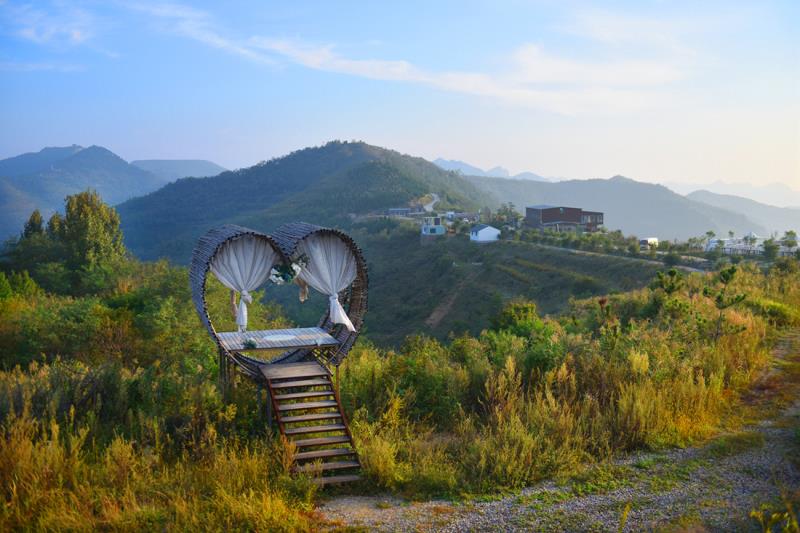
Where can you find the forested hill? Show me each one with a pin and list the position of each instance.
(41, 180)
(323, 185)
(634, 207)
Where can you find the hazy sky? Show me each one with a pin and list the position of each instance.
(659, 91)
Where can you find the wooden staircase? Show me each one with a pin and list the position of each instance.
(309, 413)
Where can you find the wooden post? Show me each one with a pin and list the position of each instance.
(234, 309)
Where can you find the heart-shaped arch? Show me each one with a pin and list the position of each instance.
(240, 257)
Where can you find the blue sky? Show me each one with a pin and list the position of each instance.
(659, 91)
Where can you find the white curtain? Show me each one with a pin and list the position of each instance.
(331, 268)
(243, 265)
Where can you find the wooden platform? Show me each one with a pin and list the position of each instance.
(277, 339)
(309, 413)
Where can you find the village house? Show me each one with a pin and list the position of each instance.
(483, 233)
(433, 227)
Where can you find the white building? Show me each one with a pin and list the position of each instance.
(483, 233)
(750, 244)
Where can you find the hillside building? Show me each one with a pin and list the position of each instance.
(433, 227)
(560, 218)
(483, 233)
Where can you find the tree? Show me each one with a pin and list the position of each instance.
(81, 252)
(670, 282)
(55, 226)
(771, 249)
(34, 225)
(710, 235)
(731, 234)
(91, 232)
(5, 286)
(790, 239)
(506, 214)
(716, 252)
(722, 300)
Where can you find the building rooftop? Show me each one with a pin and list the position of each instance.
(541, 206)
(478, 227)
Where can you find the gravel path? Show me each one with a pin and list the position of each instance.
(708, 488)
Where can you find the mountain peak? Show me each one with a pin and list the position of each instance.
(498, 172)
(45, 177)
(495, 172)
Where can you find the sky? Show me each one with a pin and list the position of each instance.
(682, 92)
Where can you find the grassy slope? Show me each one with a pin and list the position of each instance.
(408, 281)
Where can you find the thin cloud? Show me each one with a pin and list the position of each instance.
(659, 33)
(518, 86)
(197, 25)
(532, 77)
(534, 65)
(59, 24)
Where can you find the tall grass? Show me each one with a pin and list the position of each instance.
(62, 471)
(537, 398)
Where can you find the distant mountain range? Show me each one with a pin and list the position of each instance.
(497, 172)
(41, 180)
(774, 194)
(774, 219)
(624, 202)
(173, 169)
(333, 183)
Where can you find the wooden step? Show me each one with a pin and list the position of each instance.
(315, 429)
(307, 405)
(335, 465)
(329, 480)
(321, 441)
(294, 370)
(300, 383)
(319, 454)
(308, 418)
(299, 395)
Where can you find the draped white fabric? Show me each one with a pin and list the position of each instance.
(331, 268)
(243, 265)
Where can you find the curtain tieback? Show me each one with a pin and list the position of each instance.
(338, 314)
(241, 315)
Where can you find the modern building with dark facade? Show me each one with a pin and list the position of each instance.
(561, 218)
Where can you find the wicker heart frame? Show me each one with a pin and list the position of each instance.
(284, 241)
